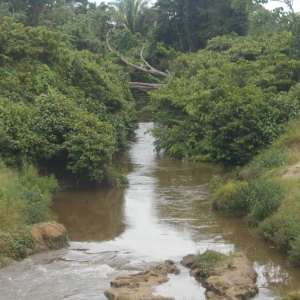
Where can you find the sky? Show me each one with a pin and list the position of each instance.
(270, 5)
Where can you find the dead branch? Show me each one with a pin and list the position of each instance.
(148, 69)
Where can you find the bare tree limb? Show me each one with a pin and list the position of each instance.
(150, 69)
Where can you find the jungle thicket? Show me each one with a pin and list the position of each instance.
(66, 102)
(227, 74)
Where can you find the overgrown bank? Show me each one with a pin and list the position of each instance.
(266, 191)
(67, 110)
(25, 199)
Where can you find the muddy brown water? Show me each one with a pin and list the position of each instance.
(163, 214)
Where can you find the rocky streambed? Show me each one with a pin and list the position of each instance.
(225, 277)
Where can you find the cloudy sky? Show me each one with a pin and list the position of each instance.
(270, 5)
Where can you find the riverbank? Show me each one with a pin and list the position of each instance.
(25, 199)
(266, 191)
(224, 277)
(31, 239)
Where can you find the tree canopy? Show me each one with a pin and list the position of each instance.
(229, 69)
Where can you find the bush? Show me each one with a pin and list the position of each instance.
(258, 197)
(228, 101)
(24, 198)
(60, 106)
(231, 198)
(15, 244)
(270, 158)
(281, 228)
(264, 197)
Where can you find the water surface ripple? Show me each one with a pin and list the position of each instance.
(164, 214)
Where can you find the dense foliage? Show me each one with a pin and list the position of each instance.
(188, 25)
(70, 107)
(229, 100)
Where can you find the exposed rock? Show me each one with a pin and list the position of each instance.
(49, 236)
(26, 241)
(231, 281)
(292, 171)
(139, 286)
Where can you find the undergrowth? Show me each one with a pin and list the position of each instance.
(267, 192)
(211, 259)
(25, 197)
(294, 295)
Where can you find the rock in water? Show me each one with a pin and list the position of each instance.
(233, 279)
(139, 286)
(49, 236)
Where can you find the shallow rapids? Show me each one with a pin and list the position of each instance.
(164, 214)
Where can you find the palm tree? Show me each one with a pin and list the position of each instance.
(130, 12)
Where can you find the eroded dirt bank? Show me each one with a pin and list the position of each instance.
(49, 236)
(39, 237)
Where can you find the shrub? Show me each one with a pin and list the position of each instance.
(270, 158)
(14, 245)
(264, 197)
(258, 197)
(231, 198)
(281, 228)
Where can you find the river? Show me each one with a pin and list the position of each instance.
(163, 214)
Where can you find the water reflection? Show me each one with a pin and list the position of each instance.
(91, 214)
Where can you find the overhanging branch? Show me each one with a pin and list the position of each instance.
(148, 69)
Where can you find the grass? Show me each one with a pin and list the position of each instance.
(209, 260)
(295, 295)
(25, 199)
(269, 200)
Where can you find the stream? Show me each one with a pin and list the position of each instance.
(163, 214)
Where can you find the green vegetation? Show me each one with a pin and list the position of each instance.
(211, 259)
(59, 105)
(295, 295)
(228, 101)
(267, 191)
(231, 95)
(24, 197)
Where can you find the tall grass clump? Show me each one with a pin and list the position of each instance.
(256, 198)
(295, 295)
(25, 197)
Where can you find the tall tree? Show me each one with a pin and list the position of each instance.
(187, 25)
(130, 12)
